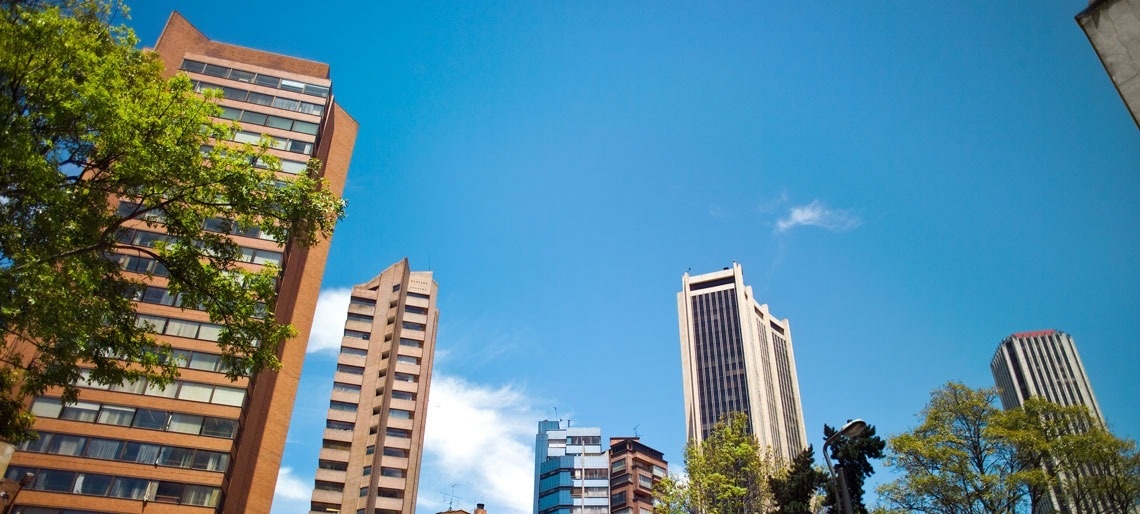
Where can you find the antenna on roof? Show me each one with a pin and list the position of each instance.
(635, 430)
(451, 497)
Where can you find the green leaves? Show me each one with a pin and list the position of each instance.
(88, 121)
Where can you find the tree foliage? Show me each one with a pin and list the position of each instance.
(87, 121)
(795, 490)
(728, 473)
(853, 455)
(968, 457)
(1072, 454)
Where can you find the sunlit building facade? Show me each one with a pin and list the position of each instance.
(634, 469)
(203, 444)
(571, 471)
(372, 446)
(737, 357)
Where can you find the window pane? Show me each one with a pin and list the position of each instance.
(136, 387)
(292, 85)
(242, 137)
(175, 457)
(53, 480)
(316, 90)
(309, 108)
(205, 361)
(63, 444)
(182, 328)
(348, 388)
(195, 392)
(107, 449)
(267, 257)
(140, 452)
(150, 418)
(300, 147)
(193, 66)
(51, 407)
(168, 392)
(241, 76)
(131, 488)
(93, 484)
(229, 396)
(210, 461)
(115, 415)
(260, 99)
(253, 117)
(200, 495)
(305, 127)
(185, 423)
(219, 427)
(293, 167)
(209, 332)
(286, 103)
(80, 411)
(215, 70)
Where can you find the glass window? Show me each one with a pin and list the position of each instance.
(366, 471)
(279, 122)
(292, 85)
(64, 444)
(140, 452)
(175, 457)
(209, 332)
(332, 465)
(91, 483)
(339, 425)
(106, 449)
(51, 407)
(154, 324)
(293, 167)
(407, 359)
(228, 396)
(229, 113)
(406, 377)
(80, 411)
(411, 342)
(169, 391)
(150, 418)
(267, 257)
(418, 295)
(300, 147)
(309, 108)
(219, 427)
(182, 328)
(115, 415)
(286, 103)
(342, 406)
(130, 488)
(38, 445)
(215, 70)
(210, 461)
(193, 66)
(399, 432)
(241, 76)
(53, 480)
(354, 370)
(260, 99)
(240, 137)
(355, 352)
(316, 90)
(399, 414)
(168, 492)
(253, 117)
(195, 392)
(204, 361)
(415, 310)
(347, 388)
(200, 495)
(370, 450)
(233, 93)
(136, 387)
(305, 127)
(393, 472)
(403, 395)
(414, 326)
(395, 452)
(266, 80)
(185, 423)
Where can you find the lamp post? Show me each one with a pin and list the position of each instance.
(853, 428)
(25, 481)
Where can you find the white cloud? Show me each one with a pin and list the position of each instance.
(328, 322)
(480, 439)
(292, 494)
(816, 214)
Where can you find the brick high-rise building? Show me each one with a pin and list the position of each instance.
(373, 441)
(203, 444)
(737, 357)
(634, 469)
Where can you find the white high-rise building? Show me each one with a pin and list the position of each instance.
(736, 356)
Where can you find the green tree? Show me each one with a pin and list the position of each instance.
(87, 122)
(853, 455)
(728, 473)
(1068, 451)
(795, 490)
(952, 463)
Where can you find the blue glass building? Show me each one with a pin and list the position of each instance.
(571, 471)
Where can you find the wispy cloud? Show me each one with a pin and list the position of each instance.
(816, 214)
(328, 322)
(480, 439)
(292, 494)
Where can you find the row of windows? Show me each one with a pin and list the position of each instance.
(415, 310)
(354, 352)
(150, 419)
(179, 327)
(363, 318)
(415, 326)
(260, 79)
(128, 209)
(279, 102)
(182, 390)
(46, 510)
(269, 120)
(149, 239)
(278, 143)
(366, 305)
(127, 451)
(356, 334)
(60, 481)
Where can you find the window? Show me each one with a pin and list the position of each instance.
(366, 471)
(346, 388)
(53, 480)
(339, 425)
(365, 305)
(406, 377)
(410, 325)
(140, 452)
(415, 310)
(150, 418)
(356, 334)
(231, 396)
(195, 392)
(210, 461)
(342, 406)
(335, 445)
(201, 495)
(219, 427)
(352, 370)
(332, 465)
(399, 414)
(354, 352)
(205, 361)
(411, 342)
(418, 295)
(64, 444)
(398, 432)
(80, 411)
(403, 395)
(352, 316)
(407, 359)
(324, 485)
(47, 407)
(107, 449)
(645, 481)
(395, 452)
(93, 484)
(185, 423)
(175, 457)
(370, 450)
(393, 472)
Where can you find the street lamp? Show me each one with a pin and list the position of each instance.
(25, 481)
(853, 428)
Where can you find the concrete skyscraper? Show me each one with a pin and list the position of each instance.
(571, 472)
(1044, 363)
(1113, 29)
(373, 441)
(737, 357)
(203, 444)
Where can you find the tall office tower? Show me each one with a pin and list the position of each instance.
(203, 444)
(1112, 27)
(373, 441)
(736, 357)
(1044, 363)
(634, 469)
(571, 472)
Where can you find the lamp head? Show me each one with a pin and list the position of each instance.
(853, 428)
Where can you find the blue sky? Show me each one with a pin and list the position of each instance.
(947, 173)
